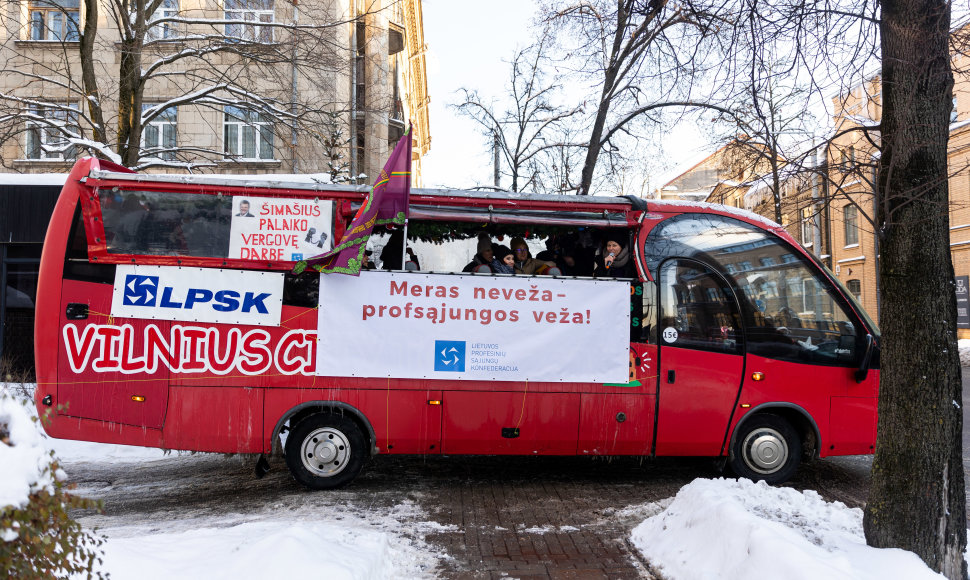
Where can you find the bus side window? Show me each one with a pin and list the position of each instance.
(643, 312)
(301, 290)
(76, 263)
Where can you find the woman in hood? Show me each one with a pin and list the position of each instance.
(613, 260)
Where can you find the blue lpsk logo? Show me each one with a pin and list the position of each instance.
(449, 356)
(140, 290)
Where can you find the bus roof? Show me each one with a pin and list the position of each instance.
(429, 194)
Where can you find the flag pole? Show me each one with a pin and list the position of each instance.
(404, 247)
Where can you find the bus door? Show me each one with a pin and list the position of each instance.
(701, 356)
(100, 360)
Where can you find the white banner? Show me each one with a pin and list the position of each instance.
(270, 228)
(198, 295)
(501, 328)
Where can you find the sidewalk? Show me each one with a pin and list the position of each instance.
(569, 520)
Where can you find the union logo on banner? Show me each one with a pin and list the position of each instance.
(449, 356)
(140, 290)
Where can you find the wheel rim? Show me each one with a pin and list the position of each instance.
(325, 452)
(765, 450)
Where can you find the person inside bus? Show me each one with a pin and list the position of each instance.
(614, 260)
(508, 260)
(484, 256)
(392, 255)
(130, 224)
(526, 264)
(486, 260)
(412, 263)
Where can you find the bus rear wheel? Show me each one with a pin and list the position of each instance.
(766, 447)
(325, 451)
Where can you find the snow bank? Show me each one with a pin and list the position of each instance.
(68, 451)
(964, 345)
(265, 549)
(735, 529)
(24, 457)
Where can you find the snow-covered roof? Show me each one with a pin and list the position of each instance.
(684, 167)
(303, 181)
(33, 178)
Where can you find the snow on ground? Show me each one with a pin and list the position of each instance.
(722, 528)
(964, 345)
(345, 544)
(735, 529)
(24, 458)
(267, 548)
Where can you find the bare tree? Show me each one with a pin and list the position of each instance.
(267, 67)
(771, 118)
(531, 127)
(335, 146)
(643, 56)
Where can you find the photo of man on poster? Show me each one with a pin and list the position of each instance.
(244, 209)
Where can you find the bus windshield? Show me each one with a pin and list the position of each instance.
(791, 311)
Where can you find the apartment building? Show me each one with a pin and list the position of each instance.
(227, 86)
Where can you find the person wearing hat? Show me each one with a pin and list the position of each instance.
(525, 263)
(613, 259)
(504, 260)
(484, 260)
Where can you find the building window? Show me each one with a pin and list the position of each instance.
(807, 227)
(158, 135)
(954, 113)
(851, 225)
(855, 288)
(163, 30)
(254, 11)
(48, 128)
(54, 19)
(248, 134)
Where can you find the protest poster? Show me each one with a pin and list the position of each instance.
(269, 228)
(474, 328)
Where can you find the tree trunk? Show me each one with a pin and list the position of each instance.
(917, 501)
(89, 78)
(593, 151)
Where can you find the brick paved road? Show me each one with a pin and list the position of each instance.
(528, 517)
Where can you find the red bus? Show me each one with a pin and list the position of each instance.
(168, 316)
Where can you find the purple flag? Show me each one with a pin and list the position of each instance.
(386, 204)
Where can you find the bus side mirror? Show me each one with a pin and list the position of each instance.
(863, 371)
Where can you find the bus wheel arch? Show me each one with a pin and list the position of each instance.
(770, 442)
(294, 416)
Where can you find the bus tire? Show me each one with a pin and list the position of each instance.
(325, 451)
(766, 447)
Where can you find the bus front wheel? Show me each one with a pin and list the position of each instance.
(766, 447)
(325, 451)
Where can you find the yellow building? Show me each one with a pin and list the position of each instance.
(344, 76)
(833, 217)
